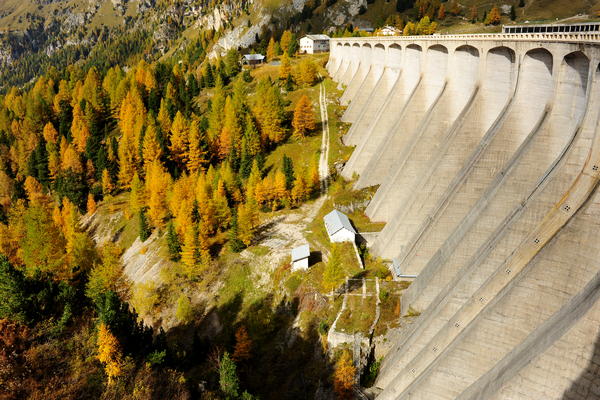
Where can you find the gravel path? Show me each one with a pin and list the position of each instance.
(324, 159)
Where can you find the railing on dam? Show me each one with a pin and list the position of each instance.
(513, 37)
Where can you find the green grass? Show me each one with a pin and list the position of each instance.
(358, 316)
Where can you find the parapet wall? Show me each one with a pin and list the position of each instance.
(487, 153)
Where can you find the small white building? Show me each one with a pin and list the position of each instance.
(311, 44)
(338, 227)
(388, 31)
(300, 257)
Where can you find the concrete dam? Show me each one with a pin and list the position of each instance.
(486, 150)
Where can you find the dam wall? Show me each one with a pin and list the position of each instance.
(486, 150)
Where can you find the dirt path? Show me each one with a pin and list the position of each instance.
(324, 159)
(282, 233)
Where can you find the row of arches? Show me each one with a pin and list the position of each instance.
(437, 56)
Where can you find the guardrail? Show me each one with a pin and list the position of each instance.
(515, 37)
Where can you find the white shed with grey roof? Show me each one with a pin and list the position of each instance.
(338, 227)
(300, 257)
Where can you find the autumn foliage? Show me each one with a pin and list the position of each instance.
(243, 345)
(344, 377)
(304, 117)
(109, 353)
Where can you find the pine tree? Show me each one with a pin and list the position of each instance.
(13, 293)
(173, 242)
(271, 54)
(513, 13)
(235, 244)
(136, 196)
(344, 376)
(228, 379)
(221, 204)
(288, 170)
(304, 118)
(144, 229)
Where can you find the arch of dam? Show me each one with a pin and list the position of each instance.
(486, 150)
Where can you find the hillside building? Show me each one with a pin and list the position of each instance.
(253, 59)
(339, 228)
(311, 44)
(300, 257)
(388, 31)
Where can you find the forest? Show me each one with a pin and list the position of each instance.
(184, 141)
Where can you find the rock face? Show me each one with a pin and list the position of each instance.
(487, 152)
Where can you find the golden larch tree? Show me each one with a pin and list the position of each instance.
(50, 133)
(285, 68)
(157, 184)
(307, 72)
(279, 188)
(493, 18)
(152, 150)
(247, 223)
(163, 118)
(109, 353)
(69, 160)
(132, 116)
(231, 132)
(107, 186)
(304, 117)
(271, 53)
(344, 376)
(179, 138)
(197, 157)
(137, 196)
(300, 190)
(189, 250)
(91, 204)
(286, 39)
